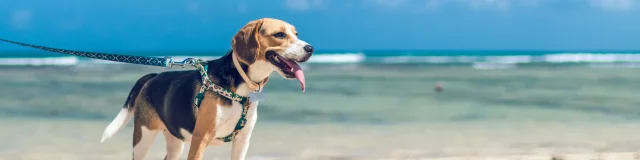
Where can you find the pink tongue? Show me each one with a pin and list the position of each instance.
(297, 71)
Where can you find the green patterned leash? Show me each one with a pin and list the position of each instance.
(152, 61)
(167, 63)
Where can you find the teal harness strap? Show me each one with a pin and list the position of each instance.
(208, 84)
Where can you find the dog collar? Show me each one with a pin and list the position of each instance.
(252, 85)
(208, 84)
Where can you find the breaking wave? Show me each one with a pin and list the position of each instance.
(477, 61)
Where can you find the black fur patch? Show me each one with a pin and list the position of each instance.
(172, 93)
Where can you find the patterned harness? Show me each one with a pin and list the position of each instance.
(208, 84)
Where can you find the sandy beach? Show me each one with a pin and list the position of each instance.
(32, 139)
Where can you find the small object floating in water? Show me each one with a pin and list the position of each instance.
(438, 87)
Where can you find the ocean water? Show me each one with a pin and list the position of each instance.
(479, 59)
(358, 105)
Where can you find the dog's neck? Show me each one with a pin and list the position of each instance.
(224, 73)
(259, 71)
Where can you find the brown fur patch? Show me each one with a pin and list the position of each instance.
(269, 28)
(245, 43)
(204, 132)
(137, 133)
(144, 115)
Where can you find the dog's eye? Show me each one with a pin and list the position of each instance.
(280, 35)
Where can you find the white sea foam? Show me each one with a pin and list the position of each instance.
(358, 57)
(42, 61)
(494, 66)
(337, 58)
(591, 57)
(517, 59)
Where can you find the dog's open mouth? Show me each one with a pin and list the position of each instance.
(290, 68)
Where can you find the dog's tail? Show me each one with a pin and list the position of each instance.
(127, 111)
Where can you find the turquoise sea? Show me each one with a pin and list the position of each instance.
(358, 105)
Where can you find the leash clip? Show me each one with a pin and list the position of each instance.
(185, 62)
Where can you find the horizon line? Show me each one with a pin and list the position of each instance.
(358, 50)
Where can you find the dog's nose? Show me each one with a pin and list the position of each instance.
(308, 49)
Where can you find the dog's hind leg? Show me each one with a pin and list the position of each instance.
(145, 129)
(128, 108)
(174, 147)
(142, 140)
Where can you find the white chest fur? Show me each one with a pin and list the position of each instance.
(228, 117)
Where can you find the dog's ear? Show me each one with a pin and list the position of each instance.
(246, 43)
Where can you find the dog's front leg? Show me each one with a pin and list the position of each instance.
(204, 131)
(240, 144)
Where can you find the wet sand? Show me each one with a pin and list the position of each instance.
(69, 139)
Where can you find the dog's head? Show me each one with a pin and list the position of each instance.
(268, 45)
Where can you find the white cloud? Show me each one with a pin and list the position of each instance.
(530, 2)
(500, 4)
(303, 5)
(489, 4)
(21, 19)
(474, 4)
(613, 5)
(391, 3)
(608, 5)
(504, 5)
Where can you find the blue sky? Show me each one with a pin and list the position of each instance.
(208, 25)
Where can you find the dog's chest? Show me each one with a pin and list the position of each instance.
(228, 117)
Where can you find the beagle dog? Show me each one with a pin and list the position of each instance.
(164, 102)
